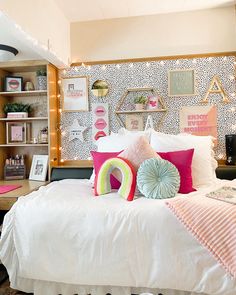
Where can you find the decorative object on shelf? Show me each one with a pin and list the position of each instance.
(43, 135)
(100, 120)
(199, 120)
(216, 88)
(121, 105)
(152, 103)
(134, 122)
(16, 110)
(140, 102)
(230, 146)
(13, 84)
(7, 52)
(17, 132)
(149, 123)
(41, 75)
(15, 168)
(75, 94)
(100, 88)
(29, 86)
(76, 131)
(181, 82)
(38, 170)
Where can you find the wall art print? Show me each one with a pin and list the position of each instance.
(181, 82)
(134, 122)
(75, 94)
(199, 120)
(100, 120)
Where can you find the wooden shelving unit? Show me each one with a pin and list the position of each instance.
(44, 104)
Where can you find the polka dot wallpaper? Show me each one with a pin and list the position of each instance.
(122, 76)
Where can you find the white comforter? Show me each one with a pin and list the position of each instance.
(62, 233)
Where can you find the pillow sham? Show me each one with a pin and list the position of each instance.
(202, 170)
(182, 160)
(98, 159)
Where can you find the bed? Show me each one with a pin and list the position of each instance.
(62, 239)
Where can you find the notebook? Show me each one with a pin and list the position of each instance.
(225, 194)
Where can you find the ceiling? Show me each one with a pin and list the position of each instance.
(80, 10)
(9, 36)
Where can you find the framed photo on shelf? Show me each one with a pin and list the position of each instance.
(134, 122)
(16, 133)
(39, 167)
(13, 84)
(75, 94)
(181, 82)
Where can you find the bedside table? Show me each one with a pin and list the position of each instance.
(8, 199)
(226, 172)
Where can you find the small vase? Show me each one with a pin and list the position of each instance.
(42, 82)
(139, 106)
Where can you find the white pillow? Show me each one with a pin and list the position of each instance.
(117, 142)
(147, 133)
(203, 164)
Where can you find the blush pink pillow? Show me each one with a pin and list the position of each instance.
(183, 162)
(98, 159)
(139, 151)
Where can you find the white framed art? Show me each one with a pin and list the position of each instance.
(75, 94)
(39, 167)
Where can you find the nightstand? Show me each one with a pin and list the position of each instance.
(8, 199)
(226, 171)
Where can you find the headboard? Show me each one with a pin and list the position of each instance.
(59, 173)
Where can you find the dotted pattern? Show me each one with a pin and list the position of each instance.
(153, 74)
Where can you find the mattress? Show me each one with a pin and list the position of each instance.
(62, 239)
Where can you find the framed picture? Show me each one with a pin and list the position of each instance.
(39, 167)
(75, 94)
(16, 132)
(181, 82)
(134, 122)
(13, 84)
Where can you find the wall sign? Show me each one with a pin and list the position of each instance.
(75, 94)
(199, 120)
(100, 120)
(76, 131)
(181, 82)
(134, 122)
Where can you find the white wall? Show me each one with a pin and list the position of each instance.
(203, 31)
(42, 20)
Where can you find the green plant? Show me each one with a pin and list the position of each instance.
(16, 107)
(41, 72)
(140, 100)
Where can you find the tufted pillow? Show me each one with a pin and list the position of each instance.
(158, 179)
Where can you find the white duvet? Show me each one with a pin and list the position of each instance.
(63, 234)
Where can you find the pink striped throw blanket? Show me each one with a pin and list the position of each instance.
(213, 223)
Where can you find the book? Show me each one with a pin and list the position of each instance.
(225, 194)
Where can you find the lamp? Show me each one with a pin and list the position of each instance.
(7, 52)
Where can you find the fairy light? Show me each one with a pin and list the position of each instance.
(58, 95)
(62, 160)
(75, 158)
(194, 61)
(177, 62)
(233, 94)
(60, 110)
(231, 77)
(104, 67)
(210, 58)
(59, 81)
(63, 133)
(89, 67)
(60, 148)
(118, 66)
(131, 65)
(83, 65)
(225, 58)
(162, 63)
(64, 72)
(148, 64)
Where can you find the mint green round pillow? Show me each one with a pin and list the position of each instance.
(158, 179)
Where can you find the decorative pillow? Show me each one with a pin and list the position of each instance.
(158, 179)
(98, 159)
(128, 184)
(182, 161)
(202, 171)
(146, 133)
(139, 151)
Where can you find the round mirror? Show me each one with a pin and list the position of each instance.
(100, 88)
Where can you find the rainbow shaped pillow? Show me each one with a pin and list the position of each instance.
(128, 183)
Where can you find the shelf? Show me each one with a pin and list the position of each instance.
(24, 119)
(24, 144)
(140, 111)
(24, 93)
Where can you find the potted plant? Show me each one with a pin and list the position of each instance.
(16, 110)
(140, 102)
(41, 75)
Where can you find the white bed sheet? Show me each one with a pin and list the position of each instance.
(62, 239)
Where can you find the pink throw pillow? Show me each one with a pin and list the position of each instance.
(98, 159)
(139, 151)
(183, 162)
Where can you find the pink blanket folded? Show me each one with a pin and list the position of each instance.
(213, 223)
(8, 187)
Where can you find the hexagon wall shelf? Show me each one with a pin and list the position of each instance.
(161, 106)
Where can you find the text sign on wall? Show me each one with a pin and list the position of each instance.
(199, 120)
